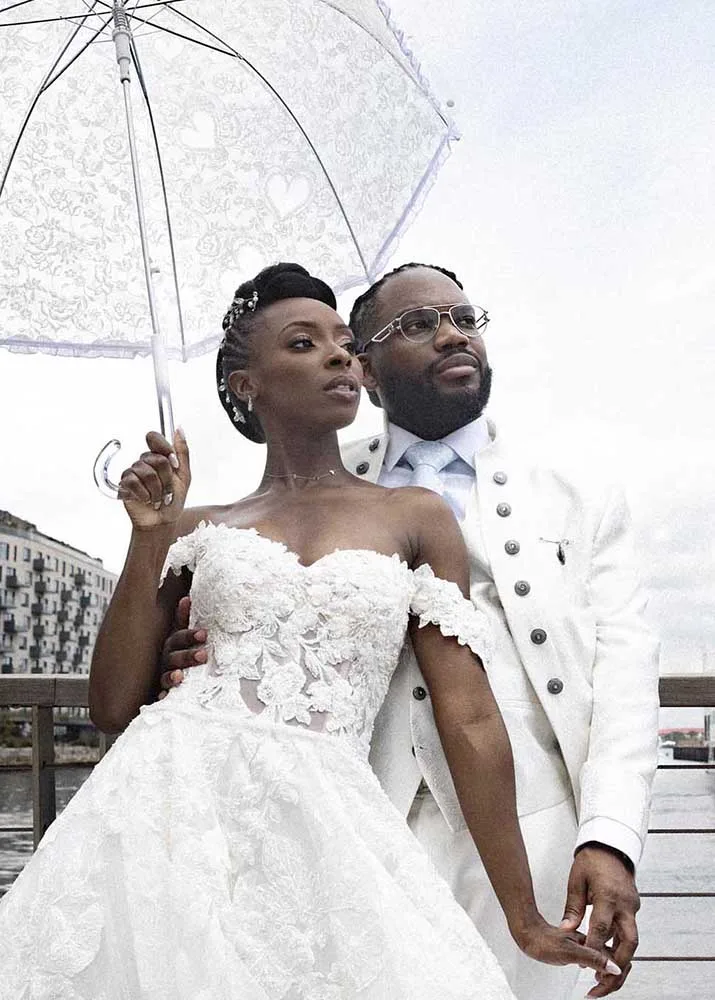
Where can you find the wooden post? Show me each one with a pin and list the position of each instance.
(105, 742)
(43, 772)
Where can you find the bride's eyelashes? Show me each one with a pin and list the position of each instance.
(303, 343)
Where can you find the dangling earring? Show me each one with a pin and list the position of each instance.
(250, 404)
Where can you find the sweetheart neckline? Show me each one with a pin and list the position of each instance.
(288, 551)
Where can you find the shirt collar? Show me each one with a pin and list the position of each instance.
(467, 441)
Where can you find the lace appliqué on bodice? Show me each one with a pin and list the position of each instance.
(311, 645)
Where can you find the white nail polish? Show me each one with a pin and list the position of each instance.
(157, 505)
(168, 499)
(173, 461)
(612, 969)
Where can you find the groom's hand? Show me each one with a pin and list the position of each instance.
(183, 649)
(599, 878)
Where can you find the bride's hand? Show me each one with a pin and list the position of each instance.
(556, 946)
(154, 488)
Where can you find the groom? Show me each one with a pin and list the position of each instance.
(574, 668)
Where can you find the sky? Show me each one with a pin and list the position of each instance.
(578, 208)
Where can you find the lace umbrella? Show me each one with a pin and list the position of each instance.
(248, 133)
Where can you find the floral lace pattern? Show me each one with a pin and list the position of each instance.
(233, 843)
(313, 645)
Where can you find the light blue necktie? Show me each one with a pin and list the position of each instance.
(427, 459)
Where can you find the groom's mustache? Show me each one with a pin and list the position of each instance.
(458, 351)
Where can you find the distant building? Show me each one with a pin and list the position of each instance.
(52, 600)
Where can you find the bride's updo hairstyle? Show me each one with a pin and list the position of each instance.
(279, 281)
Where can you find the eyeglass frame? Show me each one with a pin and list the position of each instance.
(395, 325)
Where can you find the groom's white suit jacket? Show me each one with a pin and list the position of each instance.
(579, 632)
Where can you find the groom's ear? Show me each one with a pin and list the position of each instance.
(368, 379)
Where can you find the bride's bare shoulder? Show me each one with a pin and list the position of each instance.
(419, 503)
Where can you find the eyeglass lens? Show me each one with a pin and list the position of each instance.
(419, 325)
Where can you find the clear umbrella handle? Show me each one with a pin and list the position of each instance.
(104, 484)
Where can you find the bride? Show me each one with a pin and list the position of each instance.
(234, 844)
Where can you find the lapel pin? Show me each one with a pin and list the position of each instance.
(561, 547)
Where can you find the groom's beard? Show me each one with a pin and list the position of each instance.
(421, 407)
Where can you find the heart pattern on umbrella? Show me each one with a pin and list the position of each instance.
(288, 195)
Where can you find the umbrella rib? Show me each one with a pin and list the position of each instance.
(40, 90)
(170, 231)
(303, 132)
(74, 17)
(48, 82)
(414, 78)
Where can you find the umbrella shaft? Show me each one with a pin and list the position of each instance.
(161, 369)
(163, 393)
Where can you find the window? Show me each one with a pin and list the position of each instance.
(4, 550)
(26, 555)
(64, 567)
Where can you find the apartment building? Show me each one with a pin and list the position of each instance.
(52, 599)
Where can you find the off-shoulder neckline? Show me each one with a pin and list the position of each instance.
(394, 557)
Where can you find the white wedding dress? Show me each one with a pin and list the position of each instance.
(234, 844)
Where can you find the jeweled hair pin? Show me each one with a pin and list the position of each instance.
(237, 417)
(238, 307)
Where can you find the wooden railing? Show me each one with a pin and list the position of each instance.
(44, 694)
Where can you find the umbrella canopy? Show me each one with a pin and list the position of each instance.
(267, 130)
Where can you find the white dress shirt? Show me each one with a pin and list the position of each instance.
(457, 478)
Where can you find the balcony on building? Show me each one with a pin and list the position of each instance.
(6, 665)
(7, 601)
(64, 637)
(13, 581)
(80, 578)
(85, 600)
(11, 627)
(62, 616)
(40, 587)
(66, 595)
(37, 609)
(35, 652)
(38, 631)
(39, 565)
(83, 641)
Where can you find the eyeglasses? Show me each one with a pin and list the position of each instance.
(420, 325)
